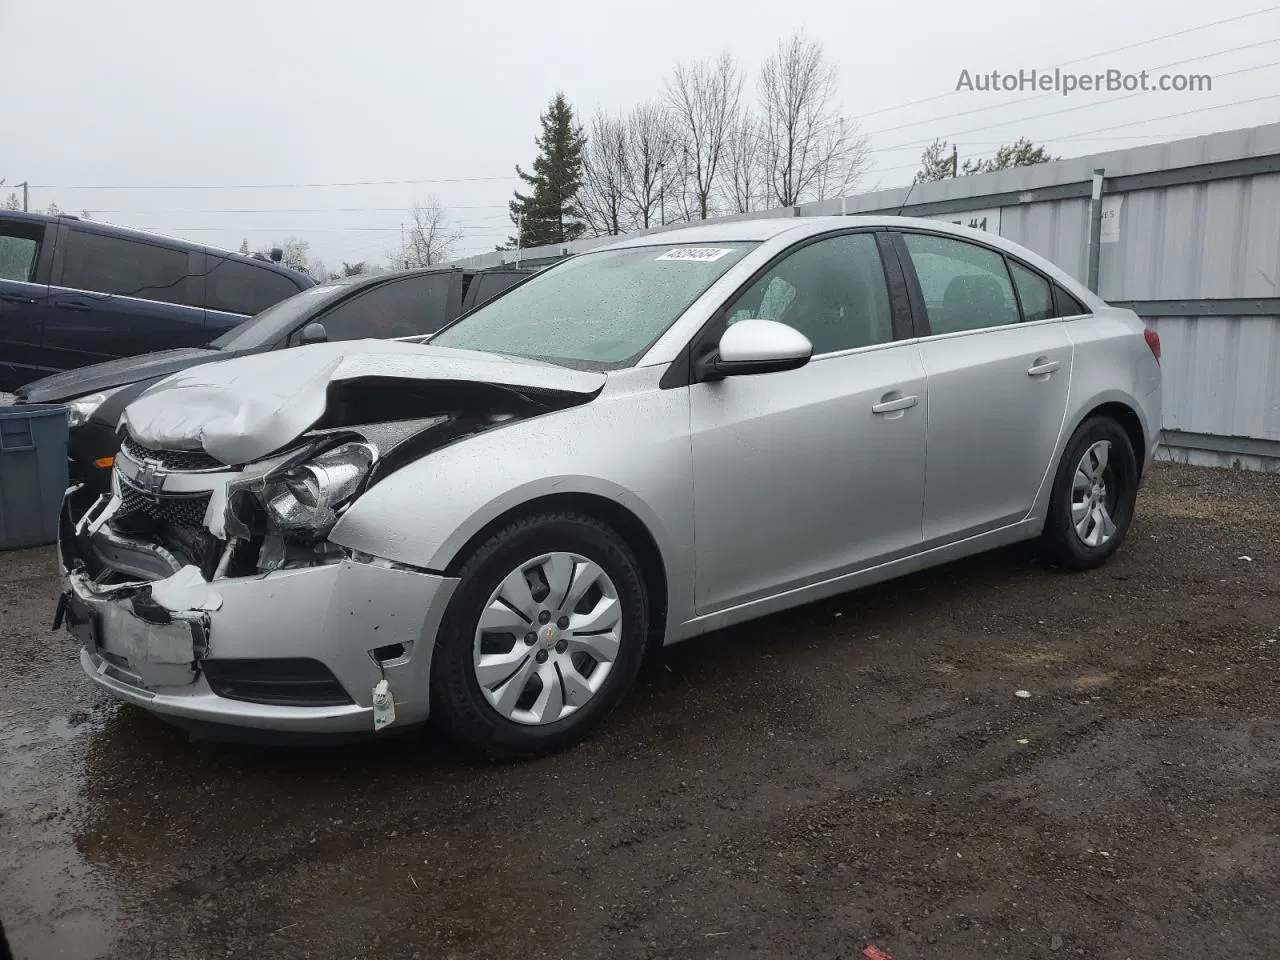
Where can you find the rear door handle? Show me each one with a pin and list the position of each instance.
(78, 305)
(895, 405)
(1043, 367)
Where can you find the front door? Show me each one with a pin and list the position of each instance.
(803, 475)
(997, 386)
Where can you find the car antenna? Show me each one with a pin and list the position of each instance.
(907, 197)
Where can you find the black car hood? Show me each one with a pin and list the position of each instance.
(97, 377)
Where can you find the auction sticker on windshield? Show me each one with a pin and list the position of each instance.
(698, 254)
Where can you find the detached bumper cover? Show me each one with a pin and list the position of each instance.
(145, 642)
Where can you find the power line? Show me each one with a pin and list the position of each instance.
(1042, 96)
(401, 210)
(1054, 113)
(1092, 56)
(267, 186)
(1128, 123)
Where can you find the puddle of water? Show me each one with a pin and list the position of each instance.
(52, 900)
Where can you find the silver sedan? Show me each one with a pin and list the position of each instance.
(641, 444)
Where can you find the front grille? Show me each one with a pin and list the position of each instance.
(185, 511)
(170, 459)
(285, 682)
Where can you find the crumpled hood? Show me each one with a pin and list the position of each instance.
(242, 409)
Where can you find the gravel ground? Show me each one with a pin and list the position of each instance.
(859, 771)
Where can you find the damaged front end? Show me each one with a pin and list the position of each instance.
(208, 591)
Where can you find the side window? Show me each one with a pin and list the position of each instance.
(400, 308)
(1034, 292)
(1068, 306)
(19, 250)
(832, 291)
(236, 287)
(965, 286)
(104, 264)
(489, 285)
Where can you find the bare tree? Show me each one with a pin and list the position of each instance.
(604, 175)
(743, 175)
(809, 150)
(704, 97)
(650, 140)
(11, 202)
(429, 237)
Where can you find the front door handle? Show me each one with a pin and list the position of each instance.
(894, 403)
(1042, 367)
(17, 298)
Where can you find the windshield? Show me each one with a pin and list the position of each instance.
(598, 310)
(279, 319)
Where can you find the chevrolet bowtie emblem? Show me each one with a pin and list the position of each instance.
(150, 478)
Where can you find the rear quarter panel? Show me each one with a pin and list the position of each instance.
(1113, 364)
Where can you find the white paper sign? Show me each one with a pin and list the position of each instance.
(987, 220)
(1111, 218)
(696, 254)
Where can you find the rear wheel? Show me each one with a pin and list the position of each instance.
(542, 639)
(1093, 496)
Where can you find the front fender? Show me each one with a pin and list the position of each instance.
(631, 449)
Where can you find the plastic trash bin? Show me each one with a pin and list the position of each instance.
(33, 473)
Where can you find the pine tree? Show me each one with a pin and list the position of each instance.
(549, 213)
(937, 162)
(244, 247)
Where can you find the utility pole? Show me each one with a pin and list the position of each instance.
(404, 254)
(519, 236)
(955, 162)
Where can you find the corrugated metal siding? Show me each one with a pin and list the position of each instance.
(1199, 241)
(1221, 375)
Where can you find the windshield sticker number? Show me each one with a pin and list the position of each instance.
(696, 254)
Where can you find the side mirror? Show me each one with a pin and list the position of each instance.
(756, 346)
(313, 332)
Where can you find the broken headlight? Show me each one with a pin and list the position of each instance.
(307, 498)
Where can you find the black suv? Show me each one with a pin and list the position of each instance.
(383, 306)
(75, 292)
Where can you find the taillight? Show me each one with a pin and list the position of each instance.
(1153, 341)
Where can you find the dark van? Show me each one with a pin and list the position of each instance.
(75, 292)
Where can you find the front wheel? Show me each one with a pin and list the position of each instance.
(1093, 496)
(542, 639)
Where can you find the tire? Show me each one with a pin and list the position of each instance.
(1060, 542)
(465, 711)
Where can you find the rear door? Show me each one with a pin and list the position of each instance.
(487, 285)
(235, 290)
(26, 253)
(116, 295)
(404, 307)
(998, 364)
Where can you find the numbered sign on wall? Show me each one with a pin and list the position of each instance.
(986, 220)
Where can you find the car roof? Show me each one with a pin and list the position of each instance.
(792, 229)
(149, 236)
(765, 228)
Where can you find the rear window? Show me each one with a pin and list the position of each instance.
(101, 263)
(234, 286)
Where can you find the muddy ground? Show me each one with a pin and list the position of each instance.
(856, 772)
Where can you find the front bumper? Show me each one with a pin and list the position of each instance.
(146, 641)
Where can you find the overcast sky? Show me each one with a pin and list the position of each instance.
(104, 106)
